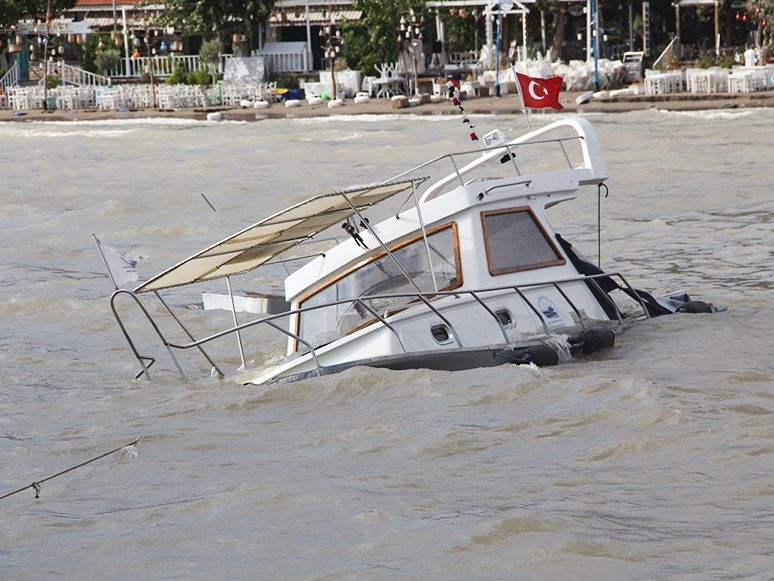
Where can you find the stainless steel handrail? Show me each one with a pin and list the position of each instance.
(413, 297)
(504, 146)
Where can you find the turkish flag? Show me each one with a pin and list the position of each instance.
(540, 92)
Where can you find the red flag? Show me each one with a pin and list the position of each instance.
(540, 92)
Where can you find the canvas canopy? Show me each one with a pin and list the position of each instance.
(257, 244)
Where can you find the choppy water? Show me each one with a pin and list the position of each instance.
(652, 460)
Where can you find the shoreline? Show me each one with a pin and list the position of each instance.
(504, 105)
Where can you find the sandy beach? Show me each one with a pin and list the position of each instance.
(506, 104)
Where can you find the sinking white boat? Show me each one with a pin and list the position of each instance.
(467, 273)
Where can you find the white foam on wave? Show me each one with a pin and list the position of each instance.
(18, 131)
(334, 136)
(388, 118)
(136, 121)
(710, 114)
(100, 128)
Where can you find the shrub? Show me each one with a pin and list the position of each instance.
(107, 60)
(209, 54)
(726, 61)
(178, 76)
(199, 77)
(287, 81)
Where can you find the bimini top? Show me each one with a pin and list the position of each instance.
(259, 243)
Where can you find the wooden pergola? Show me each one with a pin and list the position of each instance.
(491, 12)
(695, 4)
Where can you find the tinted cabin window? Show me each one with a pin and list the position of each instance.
(515, 241)
(378, 276)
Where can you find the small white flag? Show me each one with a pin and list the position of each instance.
(121, 267)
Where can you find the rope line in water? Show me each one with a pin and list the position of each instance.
(36, 484)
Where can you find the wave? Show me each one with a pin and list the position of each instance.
(710, 114)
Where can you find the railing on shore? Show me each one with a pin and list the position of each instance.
(163, 66)
(10, 79)
(70, 75)
(285, 57)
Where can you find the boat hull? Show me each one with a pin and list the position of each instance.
(441, 360)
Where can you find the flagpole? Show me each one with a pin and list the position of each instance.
(104, 261)
(523, 107)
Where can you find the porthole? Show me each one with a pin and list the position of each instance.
(505, 317)
(441, 334)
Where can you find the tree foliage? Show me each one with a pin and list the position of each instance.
(461, 25)
(14, 11)
(762, 12)
(209, 55)
(373, 39)
(221, 18)
(107, 60)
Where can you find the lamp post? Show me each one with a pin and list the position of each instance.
(332, 47)
(45, 56)
(501, 5)
(410, 28)
(144, 24)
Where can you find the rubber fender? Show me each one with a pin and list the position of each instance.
(593, 339)
(694, 307)
(541, 355)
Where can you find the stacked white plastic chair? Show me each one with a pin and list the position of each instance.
(389, 81)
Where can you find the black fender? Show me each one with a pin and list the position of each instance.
(540, 355)
(694, 307)
(592, 339)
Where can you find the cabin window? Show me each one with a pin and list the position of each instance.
(516, 241)
(380, 276)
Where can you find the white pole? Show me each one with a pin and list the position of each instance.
(308, 54)
(523, 108)
(236, 324)
(588, 30)
(524, 33)
(126, 42)
(497, 51)
(489, 34)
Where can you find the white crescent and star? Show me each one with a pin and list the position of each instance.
(531, 90)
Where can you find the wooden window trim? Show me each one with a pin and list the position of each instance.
(374, 258)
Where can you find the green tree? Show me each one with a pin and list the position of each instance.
(762, 12)
(461, 25)
(107, 60)
(222, 18)
(13, 11)
(374, 39)
(209, 55)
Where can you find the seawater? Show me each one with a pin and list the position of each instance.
(652, 460)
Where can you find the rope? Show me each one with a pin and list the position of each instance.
(599, 220)
(455, 97)
(36, 485)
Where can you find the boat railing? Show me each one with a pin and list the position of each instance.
(411, 299)
(505, 150)
(592, 165)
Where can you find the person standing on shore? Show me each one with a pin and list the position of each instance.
(750, 56)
